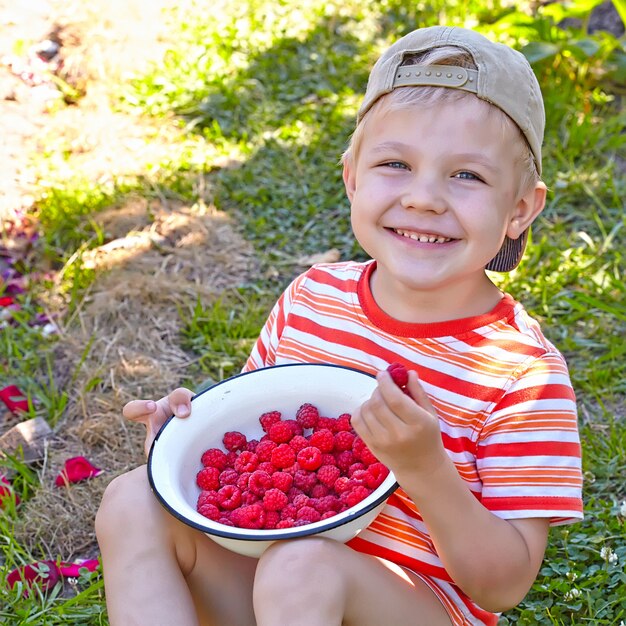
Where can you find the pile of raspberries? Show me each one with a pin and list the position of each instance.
(301, 471)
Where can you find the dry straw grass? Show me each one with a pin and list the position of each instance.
(159, 262)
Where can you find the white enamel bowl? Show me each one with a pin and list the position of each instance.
(236, 404)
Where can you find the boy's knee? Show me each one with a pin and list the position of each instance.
(122, 500)
(293, 560)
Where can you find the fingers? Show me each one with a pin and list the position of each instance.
(418, 394)
(179, 402)
(139, 410)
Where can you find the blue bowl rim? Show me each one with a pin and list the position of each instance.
(264, 535)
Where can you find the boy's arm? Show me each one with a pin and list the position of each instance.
(494, 561)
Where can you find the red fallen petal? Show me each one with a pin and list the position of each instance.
(76, 469)
(6, 301)
(12, 391)
(73, 569)
(6, 490)
(43, 573)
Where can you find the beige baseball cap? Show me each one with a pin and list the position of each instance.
(503, 77)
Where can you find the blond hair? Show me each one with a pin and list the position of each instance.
(425, 96)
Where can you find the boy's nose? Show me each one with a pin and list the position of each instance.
(424, 194)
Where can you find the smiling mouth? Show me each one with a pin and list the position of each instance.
(421, 237)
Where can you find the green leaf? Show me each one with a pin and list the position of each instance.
(536, 51)
(589, 47)
(577, 9)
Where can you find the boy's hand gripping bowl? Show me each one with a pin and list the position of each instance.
(235, 405)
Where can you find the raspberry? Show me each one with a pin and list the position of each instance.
(282, 481)
(328, 459)
(344, 460)
(344, 440)
(243, 480)
(376, 474)
(325, 504)
(353, 496)
(307, 415)
(295, 427)
(259, 482)
(342, 484)
(343, 423)
(328, 474)
(281, 432)
(293, 492)
(264, 450)
(325, 423)
(252, 444)
(248, 497)
(319, 491)
(304, 480)
(274, 500)
(283, 456)
(229, 497)
(210, 511)
(307, 514)
(272, 518)
(246, 462)
(208, 478)
(309, 458)
(322, 439)
(234, 441)
(286, 523)
(399, 374)
(289, 511)
(301, 500)
(267, 466)
(252, 516)
(229, 476)
(362, 452)
(207, 497)
(299, 442)
(268, 419)
(355, 467)
(214, 457)
(359, 477)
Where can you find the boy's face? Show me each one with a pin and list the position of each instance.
(433, 193)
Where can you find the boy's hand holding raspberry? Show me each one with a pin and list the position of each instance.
(400, 426)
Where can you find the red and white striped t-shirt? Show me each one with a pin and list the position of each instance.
(506, 407)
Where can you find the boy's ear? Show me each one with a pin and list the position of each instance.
(528, 207)
(349, 179)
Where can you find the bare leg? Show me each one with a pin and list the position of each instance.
(320, 582)
(159, 571)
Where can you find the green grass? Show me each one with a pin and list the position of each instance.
(277, 90)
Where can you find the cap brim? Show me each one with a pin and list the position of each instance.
(509, 255)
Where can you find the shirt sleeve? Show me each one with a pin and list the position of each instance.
(264, 351)
(528, 453)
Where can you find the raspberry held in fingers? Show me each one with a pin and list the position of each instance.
(399, 374)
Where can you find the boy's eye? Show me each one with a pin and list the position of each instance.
(395, 165)
(467, 176)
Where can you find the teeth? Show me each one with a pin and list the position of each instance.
(423, 238)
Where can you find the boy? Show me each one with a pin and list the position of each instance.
(443, 178)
